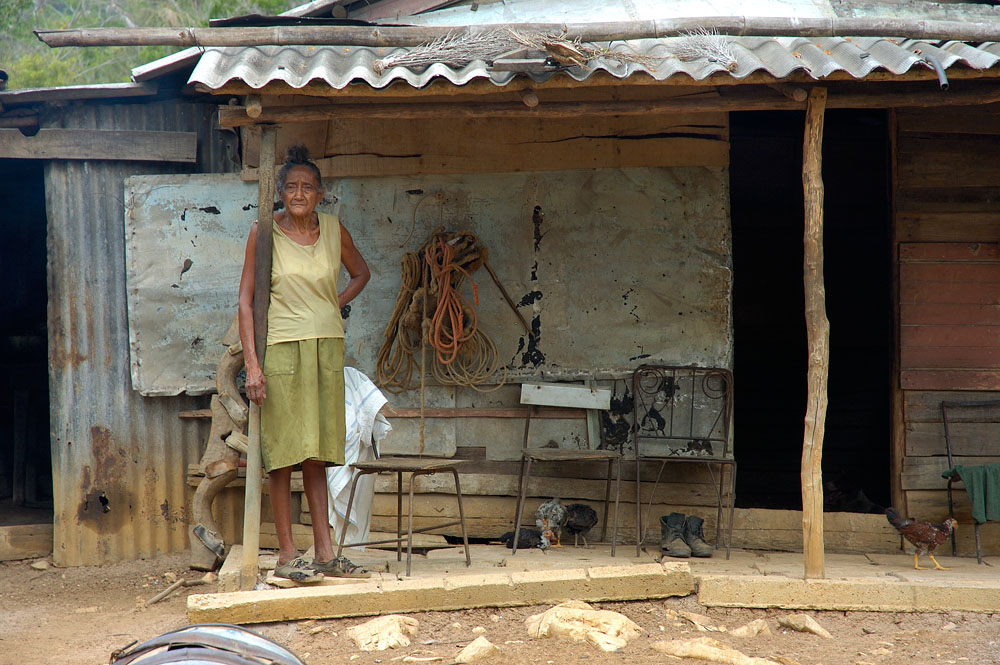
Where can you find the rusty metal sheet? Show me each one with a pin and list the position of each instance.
(118, 460)
(611, 267)
(185, 237)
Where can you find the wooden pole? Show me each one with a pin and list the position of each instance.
(380, 35)
(818, 331)
(261, 300)
(897, 453)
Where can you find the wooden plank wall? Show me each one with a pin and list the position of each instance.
(489, 515)
(406, 146)
(947, 233)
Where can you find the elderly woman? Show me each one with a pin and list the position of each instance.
(300, 388)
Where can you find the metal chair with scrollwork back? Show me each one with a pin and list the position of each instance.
(683, 414)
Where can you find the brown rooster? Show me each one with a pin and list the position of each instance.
(925, 536)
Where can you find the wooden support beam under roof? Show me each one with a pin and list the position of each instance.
(751, 101)
(118, 145)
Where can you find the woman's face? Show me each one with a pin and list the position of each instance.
(301, 193)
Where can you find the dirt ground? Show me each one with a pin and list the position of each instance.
(78, 616)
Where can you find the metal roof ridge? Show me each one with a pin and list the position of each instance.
(77, 92)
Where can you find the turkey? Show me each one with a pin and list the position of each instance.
(580, 519)
(551, 515)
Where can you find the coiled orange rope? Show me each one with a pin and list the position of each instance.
(448, 325)
(464, 354)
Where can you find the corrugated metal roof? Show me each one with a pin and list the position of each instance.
(605, 11)
(818, 57)
(76, 93)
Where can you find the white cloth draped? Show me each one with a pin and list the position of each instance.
(365, 425)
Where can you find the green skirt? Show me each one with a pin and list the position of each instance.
(302, 416)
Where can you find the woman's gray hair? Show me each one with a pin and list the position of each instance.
(296, 155)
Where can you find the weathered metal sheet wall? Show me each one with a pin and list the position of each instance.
(185, 241)
(119, 459)
(612, 267)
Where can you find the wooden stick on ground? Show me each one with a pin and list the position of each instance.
(174, 587)
(261, 300)
(818, 331)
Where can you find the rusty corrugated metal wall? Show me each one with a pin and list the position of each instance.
(119, 460)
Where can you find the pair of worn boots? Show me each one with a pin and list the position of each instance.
(681, 536)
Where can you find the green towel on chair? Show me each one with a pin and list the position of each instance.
(982, 483)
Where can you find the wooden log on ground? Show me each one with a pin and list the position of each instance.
(818, 331)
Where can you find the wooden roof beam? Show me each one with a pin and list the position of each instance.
(755, 101)
(377, 35)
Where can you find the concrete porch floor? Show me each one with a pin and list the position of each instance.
(441, 581)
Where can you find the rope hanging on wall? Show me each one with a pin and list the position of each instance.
(431, 310)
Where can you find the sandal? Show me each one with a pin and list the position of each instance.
(298, 570)
(340, 566)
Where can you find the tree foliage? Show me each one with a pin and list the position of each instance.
(31, 64)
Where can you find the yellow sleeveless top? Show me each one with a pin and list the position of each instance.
(304, 302)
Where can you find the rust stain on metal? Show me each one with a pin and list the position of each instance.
(62, 350)
(61, 357)
(106, 504)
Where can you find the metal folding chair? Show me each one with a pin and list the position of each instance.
(682, 414)
(551, 396)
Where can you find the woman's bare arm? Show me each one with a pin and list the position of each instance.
(256, 384)
(355, 265)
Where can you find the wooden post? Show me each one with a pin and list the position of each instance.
(261, 300)
(818, 332)
(898, 423)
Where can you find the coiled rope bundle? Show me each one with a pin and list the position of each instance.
(431, 312)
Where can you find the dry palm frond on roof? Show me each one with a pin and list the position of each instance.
(461, 49)
(707, 44)
(456, 50)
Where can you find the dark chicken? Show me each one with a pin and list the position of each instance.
(529, 538)
(925, 536)
(580, 519)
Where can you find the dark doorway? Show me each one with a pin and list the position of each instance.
(769, 317)
(25, 457)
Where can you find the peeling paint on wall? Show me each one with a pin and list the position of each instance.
(610, 267)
